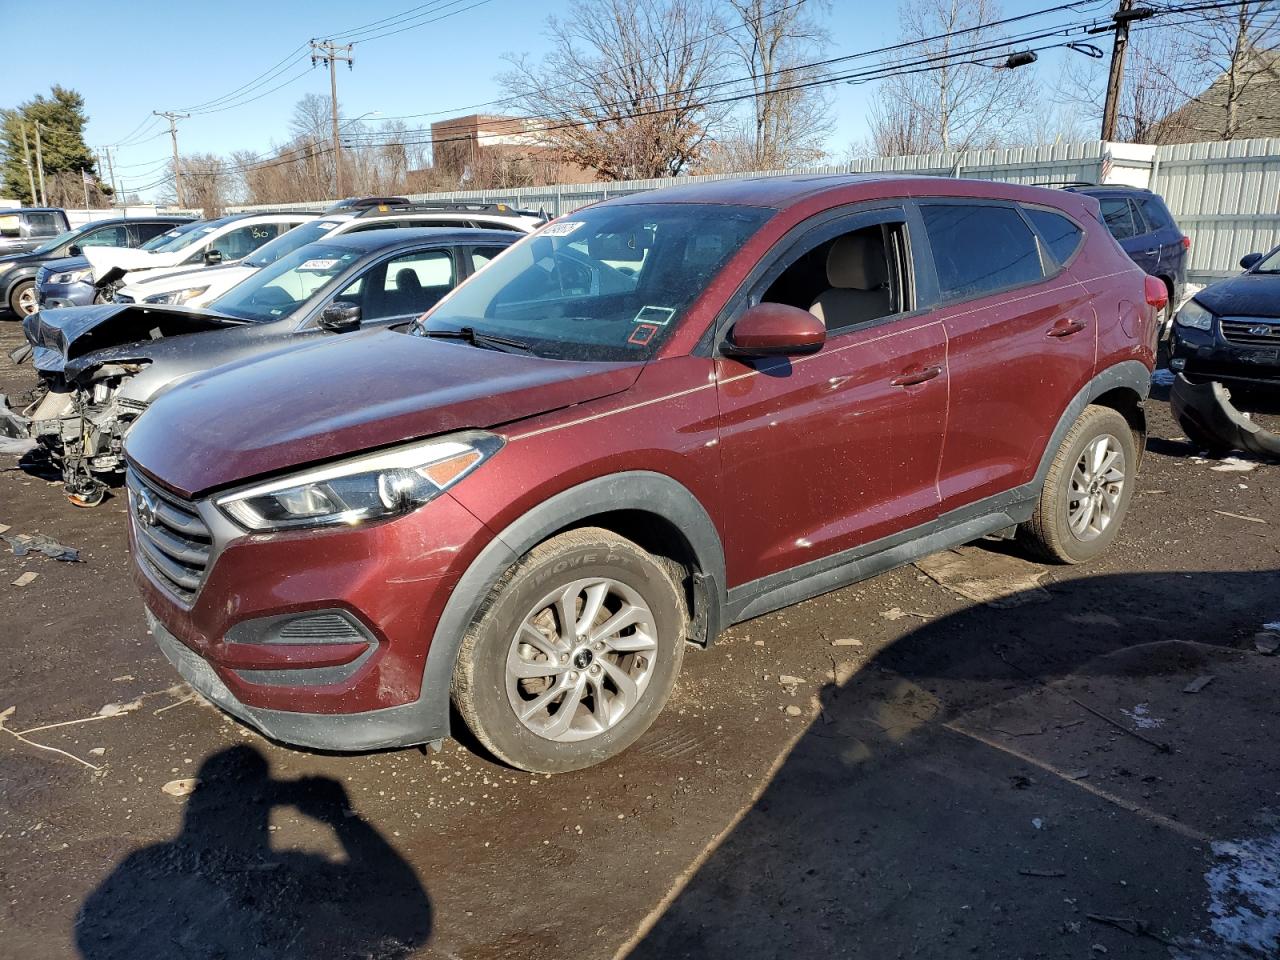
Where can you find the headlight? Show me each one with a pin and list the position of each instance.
(1196, 316)
(373, 487)
(177, 296)
(72, 276)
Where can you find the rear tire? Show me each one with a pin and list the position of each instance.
(1087, 490)
(586, 622)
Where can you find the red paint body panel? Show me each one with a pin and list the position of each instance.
(394, 577)
(794, 459)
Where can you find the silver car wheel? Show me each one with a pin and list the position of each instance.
(1096, 487)
(27, 301)
(581, 659)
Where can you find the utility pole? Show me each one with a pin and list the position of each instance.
(328, 52)
(44, 197)
(1123, 16)
(26, 152)
(111, 169)
(173, 119)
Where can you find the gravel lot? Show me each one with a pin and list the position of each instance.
(891, 770)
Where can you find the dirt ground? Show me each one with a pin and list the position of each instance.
(892, 770)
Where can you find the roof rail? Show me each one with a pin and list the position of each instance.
(501, 209)
(1063, 184)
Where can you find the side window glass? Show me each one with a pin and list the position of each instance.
(116, 236)
(979, 249)
(42, 225)
(1117, 215)
(1060, 234)
(10, 225)
(482, 255)
(1154, 212)
(242, 241)
(412, 284)
(847, 281)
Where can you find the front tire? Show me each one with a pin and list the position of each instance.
(22, 298)
(573, 654)
(1087, 490)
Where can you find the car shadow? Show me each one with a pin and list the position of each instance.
(220, 888)
(892, 829)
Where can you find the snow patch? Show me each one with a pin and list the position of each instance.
(1244, 901)
(1142, 718)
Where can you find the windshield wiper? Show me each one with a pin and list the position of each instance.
(472, 336)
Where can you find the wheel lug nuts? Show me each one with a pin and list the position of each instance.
(595, 670)
(599, 645)
(573, 675)
(564, 658)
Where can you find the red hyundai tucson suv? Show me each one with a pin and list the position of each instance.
(650, 420)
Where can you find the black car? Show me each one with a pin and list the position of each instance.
(18, 271)
(1230, 330)
(25, 227)
(1144, 227)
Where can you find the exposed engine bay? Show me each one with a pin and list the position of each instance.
(92, 363)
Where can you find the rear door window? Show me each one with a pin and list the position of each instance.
(1117, 215)
(43, 225)
(1060, 235)
(116, 235)
(1154, 212)
(410, 284)
(482, 255)
(979, 248)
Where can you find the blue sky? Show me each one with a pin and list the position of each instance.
(130, 59)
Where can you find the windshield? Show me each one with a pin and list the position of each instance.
(281, 288)
(166, 240)
(50, 245)
(286, 243)
(1270, 263)
(607, 283)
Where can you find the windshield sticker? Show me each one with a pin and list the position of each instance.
(642, 334)
(318, 266)
(659, 315)
(561, 229)
(328, 224)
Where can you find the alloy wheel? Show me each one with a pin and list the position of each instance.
(1096, 487)
(27, 301)
(581, 659)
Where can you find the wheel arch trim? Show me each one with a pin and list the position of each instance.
(638, 490)
(1125, 375)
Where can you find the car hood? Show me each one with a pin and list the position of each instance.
(1248, 295)
(105, 259)
(168, 281)
(69, 340)
(345, 395)
(65, 264)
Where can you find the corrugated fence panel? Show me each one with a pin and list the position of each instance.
(1225, 196)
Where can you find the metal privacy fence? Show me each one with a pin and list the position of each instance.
(1225, 196)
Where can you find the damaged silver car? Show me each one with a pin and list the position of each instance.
(101, 366)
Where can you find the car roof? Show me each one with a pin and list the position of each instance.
(32, 210)
(786, 191)
(108, 221)
(1106, 188)
(371, 240)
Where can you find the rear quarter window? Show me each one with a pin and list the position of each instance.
(980, 249)
(1060, 235)
(1155, 213)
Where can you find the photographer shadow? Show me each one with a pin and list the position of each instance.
(219, 889)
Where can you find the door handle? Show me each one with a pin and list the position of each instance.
(922, 375)
(1065, 328)
(1153, 252)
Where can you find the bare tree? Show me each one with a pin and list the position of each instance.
(789, 122)
(949, 94)
(898, 129)
(207, 183)
(621, 89)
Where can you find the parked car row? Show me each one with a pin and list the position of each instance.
(361, 490)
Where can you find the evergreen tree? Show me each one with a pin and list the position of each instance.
(66, 156)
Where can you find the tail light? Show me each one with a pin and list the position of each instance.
(1186, 242)
(1157, 293)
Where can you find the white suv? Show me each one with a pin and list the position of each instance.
(200, 287)
(225, 240)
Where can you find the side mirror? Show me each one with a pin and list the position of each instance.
(74, 250)
(212, 257)
(775, 329)
(340, 316)
(1249, 260)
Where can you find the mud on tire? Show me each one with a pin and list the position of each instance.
(586, 622)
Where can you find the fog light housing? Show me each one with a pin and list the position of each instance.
(1177, 363)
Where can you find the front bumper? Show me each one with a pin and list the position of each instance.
(357, 688)
(1205, 355)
